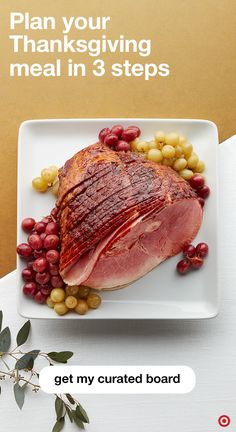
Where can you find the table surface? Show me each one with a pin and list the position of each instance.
(207, 346)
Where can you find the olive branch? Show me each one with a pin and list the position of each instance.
(24, 376)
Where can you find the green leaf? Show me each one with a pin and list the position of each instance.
(77, 421)
(30, 364)
(59, 425)
(23, 334)
(1, 316)
(25, 362)
(81, 414)
(60, 357)
(59, 407)
(70, 399)
(5, 340)
(19, 393)
(69, 414)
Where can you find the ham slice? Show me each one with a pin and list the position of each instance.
(121, 216)
(147, 244)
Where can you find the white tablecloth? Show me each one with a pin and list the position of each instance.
(207, 346)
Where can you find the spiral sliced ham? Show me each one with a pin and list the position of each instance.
(120, 216)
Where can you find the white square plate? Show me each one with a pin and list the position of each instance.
(161, 294)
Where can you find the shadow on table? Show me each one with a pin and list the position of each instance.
(135, 328)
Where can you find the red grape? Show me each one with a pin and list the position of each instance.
(103, 133)
(46, 219)
(137, 130)
(117, 130)
(43, 236)
(52, 228)
(202, 250)
(40, 265)
(196, 262)
(30, 264)
(52, 256)
(111, 140)
(27, 274)
(57, 281)
(203, 192)
(29, 289)
(46, 289)
(129, 135)
(28, 224)
(197, 181)
(201, 201)
(38, 254)
(183, 266)
(53, 269)
(35, 241)
(123, 146)
(40, 227)
(52, 241)
(39, 297)
(24, 250)
(42, 278)
(189, 250)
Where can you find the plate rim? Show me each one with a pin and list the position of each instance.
(214, 313)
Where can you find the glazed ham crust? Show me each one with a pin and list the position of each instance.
(101, 190)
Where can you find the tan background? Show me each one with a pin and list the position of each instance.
(196, 37)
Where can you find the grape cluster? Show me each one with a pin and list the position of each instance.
(197, 182)
(193, 257)
(119, 138)
(73, 298)
(169, 149)
(47, 180)
(172, 150)
(41, 253)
